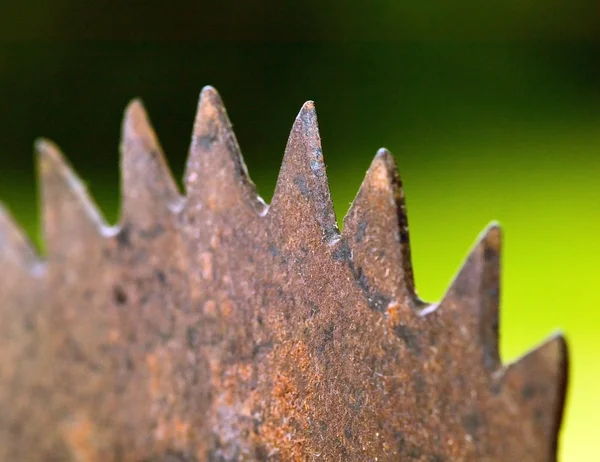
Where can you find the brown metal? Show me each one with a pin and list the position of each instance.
(212, 327)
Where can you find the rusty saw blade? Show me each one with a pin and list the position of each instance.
(210, 326)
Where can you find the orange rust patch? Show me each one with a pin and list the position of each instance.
(154, 369)
(226, 308)
(393, 313)
(210, 308)
(285, 418)
(79, 435)
(114, 336)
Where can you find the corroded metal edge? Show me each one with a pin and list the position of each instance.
(211, 326)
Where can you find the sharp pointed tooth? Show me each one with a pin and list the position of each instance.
(71, 219)
(302, 196)
(473, 297)
(147, 184)
(15, 248)
(536, 384)
(376, 228)
(216, 176)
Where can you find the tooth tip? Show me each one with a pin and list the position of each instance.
(307, 114)
(383, 153)
(14, 238)
(40, 144)
(552, 355)
(539, 380)
(209, 91)
(135, 115)
(49, 155)
(215, 162)
(136, 126)
(145, 176)
(494, 227)
(306, 129)
(383, 156)
(556, 347)
(210, 109)
(134, 105)
(46, 148)
(302, 188)
(548, 363)
(381, 175)
(308, 106)
(62, 189)
(376, 223)
(384, 159)
(209, 98)
(492, 236)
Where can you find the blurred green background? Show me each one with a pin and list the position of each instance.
(492, 111)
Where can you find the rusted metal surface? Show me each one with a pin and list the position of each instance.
(212, 327)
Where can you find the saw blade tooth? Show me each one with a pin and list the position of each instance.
(216, 176)
(474, 295)
(302, 195)
(70, 216)
(15, 248)
(376, 228)
(148, 188)
(537, 383)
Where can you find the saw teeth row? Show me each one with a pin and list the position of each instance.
(184, 235)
